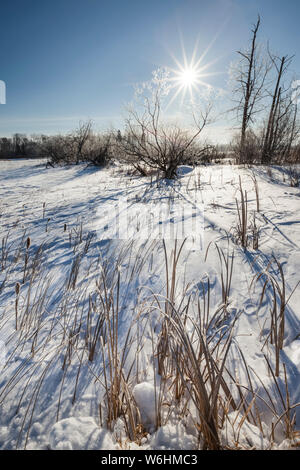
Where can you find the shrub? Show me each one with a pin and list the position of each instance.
(99, 149)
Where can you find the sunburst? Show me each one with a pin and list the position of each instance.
(190, 76)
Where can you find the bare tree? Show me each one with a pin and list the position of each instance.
(80, 137)
(6, 147)
(20, 142)
(98, 149)
(58, 149)
(280, 130)
(151, 143)
(294, 132)
(249, 74)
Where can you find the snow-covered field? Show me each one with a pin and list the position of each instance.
(84, 316)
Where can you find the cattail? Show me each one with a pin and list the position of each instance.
(48, 220)
(65, 227)
(17, 289)
(28, 243)
(44, 207)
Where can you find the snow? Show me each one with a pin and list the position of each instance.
(79, 434)
(71, 213)
(173, 437)
(246, 434)
(145, 396)
(184, 170)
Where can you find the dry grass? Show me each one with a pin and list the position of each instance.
(277, 323)
(190, 343)
(256, 189)
(201, 377)
(226, 270)
(246, 232)
(277, 291)
(242, 211)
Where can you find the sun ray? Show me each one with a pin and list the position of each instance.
(205, 52)
(195, 51)
(183, 96)
(185, 63)
(174, 96)
(189, 75)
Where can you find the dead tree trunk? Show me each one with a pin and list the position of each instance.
(272, 121)
(249, 87)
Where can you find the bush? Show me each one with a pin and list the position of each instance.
(59, 149)
(82, 145)
(98, 150)
(251, 151)
(149, 143)
(164, 150)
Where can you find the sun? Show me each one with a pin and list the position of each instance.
(188, 77)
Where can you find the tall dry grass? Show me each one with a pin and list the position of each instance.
(79, 340)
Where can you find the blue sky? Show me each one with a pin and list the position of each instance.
(69, 60)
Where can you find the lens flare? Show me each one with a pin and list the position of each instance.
(190, 77)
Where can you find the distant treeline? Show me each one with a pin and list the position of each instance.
(160, 150)
(20, 145)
